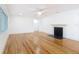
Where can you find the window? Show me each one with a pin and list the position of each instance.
(3, 21)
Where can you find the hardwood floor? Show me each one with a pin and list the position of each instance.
(39, 43)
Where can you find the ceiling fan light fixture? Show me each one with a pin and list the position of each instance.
(39, 13)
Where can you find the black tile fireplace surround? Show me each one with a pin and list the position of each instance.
(58, 32)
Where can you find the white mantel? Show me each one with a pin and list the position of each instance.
(58, 25)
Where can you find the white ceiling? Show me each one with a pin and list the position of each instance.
(31, 10)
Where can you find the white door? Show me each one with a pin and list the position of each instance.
(36, 24)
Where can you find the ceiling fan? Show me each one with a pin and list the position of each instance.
(40, 11)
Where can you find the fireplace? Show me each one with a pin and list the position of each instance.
(58, 32)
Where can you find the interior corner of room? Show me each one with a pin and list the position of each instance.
(36, 22)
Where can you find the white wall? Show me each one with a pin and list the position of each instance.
(20, 24)
(3, 40)
(70, 18)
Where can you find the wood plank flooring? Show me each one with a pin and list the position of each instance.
(39, 43)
